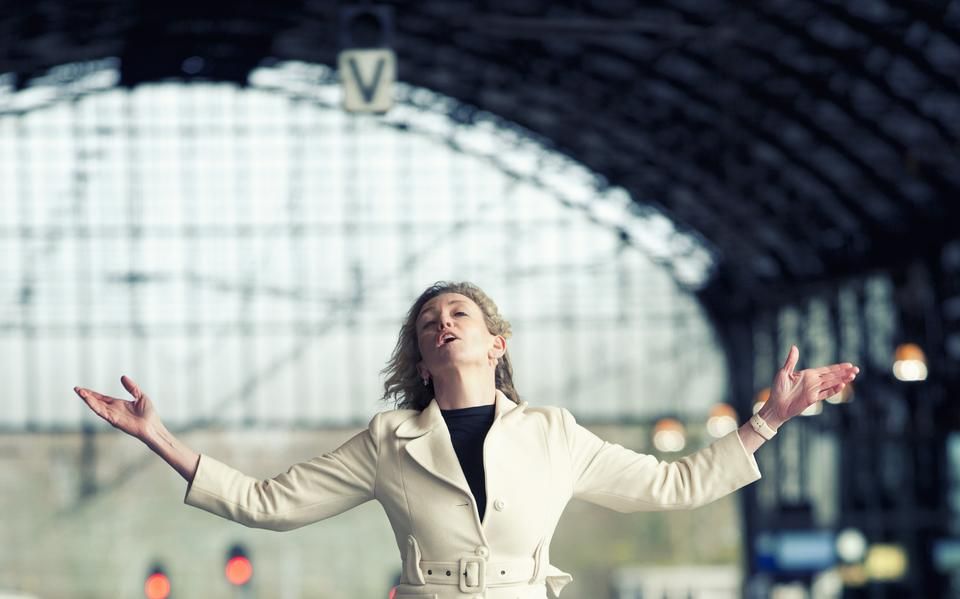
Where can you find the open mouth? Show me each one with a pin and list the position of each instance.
(446, 338)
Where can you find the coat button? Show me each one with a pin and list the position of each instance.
(499, 505)
(482, 551)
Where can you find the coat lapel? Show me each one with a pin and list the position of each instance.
(430, 444)
(432, 448)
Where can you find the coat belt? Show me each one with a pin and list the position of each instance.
(473, 574)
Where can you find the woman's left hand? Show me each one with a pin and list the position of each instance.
(793, 392)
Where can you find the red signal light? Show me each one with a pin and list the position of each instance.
(157, 586)
(239, 570)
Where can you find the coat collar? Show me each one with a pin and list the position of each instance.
(430, 444)
(431, 417)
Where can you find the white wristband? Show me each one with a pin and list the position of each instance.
(760, 425)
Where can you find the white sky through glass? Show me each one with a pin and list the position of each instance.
(247, 255)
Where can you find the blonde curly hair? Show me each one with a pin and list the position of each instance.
(403, 381)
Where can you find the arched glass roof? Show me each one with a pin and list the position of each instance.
(247, 254)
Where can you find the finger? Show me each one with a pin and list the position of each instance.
(82, 395)
(830, 392)
(836, 371)
(833, 386)
(90, 394)
(130, 386)
(834, 378)
(98, 407)
(824, 384)
(792, 356)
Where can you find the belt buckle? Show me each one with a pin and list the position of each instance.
(466, 569)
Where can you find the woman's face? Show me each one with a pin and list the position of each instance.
(452, 333)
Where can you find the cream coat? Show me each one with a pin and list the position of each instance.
(535, 459)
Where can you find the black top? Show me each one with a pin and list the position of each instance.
(468, 427)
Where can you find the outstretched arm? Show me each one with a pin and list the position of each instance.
(307, 492)
(174, 451)
(793, 392)
(624, 480)
(139, 419)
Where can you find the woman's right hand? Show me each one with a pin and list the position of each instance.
(135, 417)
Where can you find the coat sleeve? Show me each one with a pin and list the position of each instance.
(319, 488)
(626, 481)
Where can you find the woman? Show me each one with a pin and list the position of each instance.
(472, 479)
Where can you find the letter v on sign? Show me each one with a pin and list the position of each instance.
(367, 76)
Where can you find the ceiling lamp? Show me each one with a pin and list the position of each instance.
(909, 363)
(669, 435)
(722, 420)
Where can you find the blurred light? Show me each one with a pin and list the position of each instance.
(157, 586)
(845, 395)
(723, 420)
(791, 590)
(760, 398)
(669, 435)
(239, 569)
(946, 555)
(910, 364)
(909, 351)
(885, 562)
(853, 575)
(851, 545)
(804, 550)
(813, 409)
(828, 583)
(192, 65)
